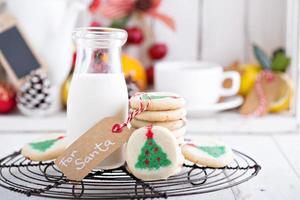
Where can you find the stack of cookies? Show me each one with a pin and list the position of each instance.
(165, 109)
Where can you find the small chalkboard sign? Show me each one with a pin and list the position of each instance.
(16, 54)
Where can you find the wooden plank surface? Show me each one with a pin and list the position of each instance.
(233, 122)
(276, 181)
(289, 145)
(17, 122)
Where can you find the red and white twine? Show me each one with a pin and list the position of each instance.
(117, 128)
(262, 108)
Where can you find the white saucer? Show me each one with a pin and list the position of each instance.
(226, 104)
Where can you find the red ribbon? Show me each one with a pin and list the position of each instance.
(115, 9)
(118, 128)
(261, 109)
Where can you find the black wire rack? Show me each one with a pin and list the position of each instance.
(43, 179)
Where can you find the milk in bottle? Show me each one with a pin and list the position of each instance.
(98, 87)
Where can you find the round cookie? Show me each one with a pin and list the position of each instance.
(152, 153)
(159, 101)
(45, 148)
(208, 152)
(162, 116)
(171, 125)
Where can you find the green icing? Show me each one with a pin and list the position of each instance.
(146, 97)
(43, 145)
(214, 151)
(152, 156)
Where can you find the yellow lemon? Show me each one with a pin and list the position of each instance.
(285, 95)
(249, 73)
(65, 90)
(132, 67)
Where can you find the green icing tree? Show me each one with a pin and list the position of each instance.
(152, 156)
(214, 151)
(146, 97)
(43, 146)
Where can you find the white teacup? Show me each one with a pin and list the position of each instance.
(200, 83)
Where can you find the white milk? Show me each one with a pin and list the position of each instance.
(93, 97)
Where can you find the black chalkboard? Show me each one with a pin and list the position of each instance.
(17, 52)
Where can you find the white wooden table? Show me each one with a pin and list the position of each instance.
(277, 153)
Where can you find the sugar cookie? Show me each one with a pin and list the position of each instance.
(171, 125)
(45, 148)
(162, 116)
(207, 152)
(159, 101)
(152, 153)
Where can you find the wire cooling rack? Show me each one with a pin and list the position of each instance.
(43, 179)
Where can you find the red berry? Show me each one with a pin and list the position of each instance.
(158, 51)
(7, 98)
(135, 35)
(150, 75)
(95, 24)
(93, 7)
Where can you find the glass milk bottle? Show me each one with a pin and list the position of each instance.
(98, 87)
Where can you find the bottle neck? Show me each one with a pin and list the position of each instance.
(99, 49)
(98, 60)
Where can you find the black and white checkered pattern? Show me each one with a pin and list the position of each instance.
(34, 93)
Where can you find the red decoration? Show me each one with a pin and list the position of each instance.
(158, 51)
(135, 35)
(150, 75)
(147, 152)
(118, 9)
(95, 24)
(7, 98)
(117, 128)
(60, 137)
(74, 59)
(147, 162)
(94, 6)
(266, 74)
(149, 134)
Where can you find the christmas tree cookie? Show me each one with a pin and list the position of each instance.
(160, 101)
(207, 152)
(152, 153)
(45, 148)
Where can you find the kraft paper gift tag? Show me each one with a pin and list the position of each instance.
(91, 148)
